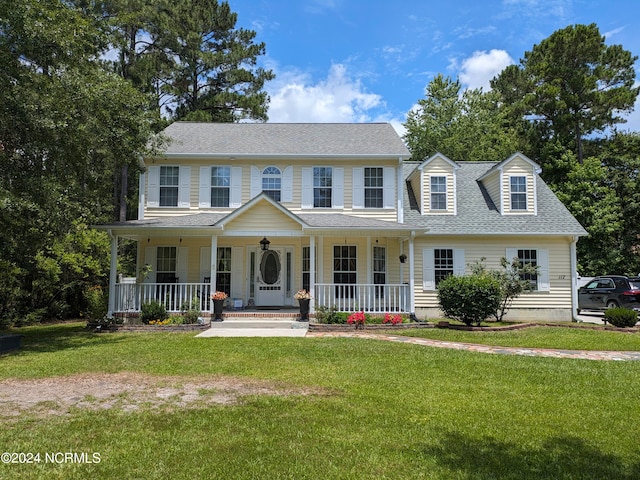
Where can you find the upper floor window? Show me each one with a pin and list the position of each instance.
(518, 191)
(373, 187)
(169, 184)
(322, 187)
(438, 193)
(220, 186)
(272, 183)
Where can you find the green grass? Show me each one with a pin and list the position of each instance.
(387, 411)
(536, 337)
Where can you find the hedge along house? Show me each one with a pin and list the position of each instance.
(260, 211)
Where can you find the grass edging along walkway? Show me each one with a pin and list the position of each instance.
(473, 347)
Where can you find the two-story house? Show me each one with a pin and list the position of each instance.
(261, 210)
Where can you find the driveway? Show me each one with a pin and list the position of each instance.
(591, 317)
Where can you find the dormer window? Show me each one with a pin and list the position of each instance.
(438, 192)
(272, 183)
(518, 192)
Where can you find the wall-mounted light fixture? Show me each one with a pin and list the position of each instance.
(403, 258)
(264, 244)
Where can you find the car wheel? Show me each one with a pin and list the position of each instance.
(612, 304)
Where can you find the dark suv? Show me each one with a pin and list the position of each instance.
(610, 291)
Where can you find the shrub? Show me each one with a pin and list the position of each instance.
(190, 310)
(621, 317)
(330, 315)
(152, 311)
(470, 299)
(97, 303)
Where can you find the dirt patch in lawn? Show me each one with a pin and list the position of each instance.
(131, 392)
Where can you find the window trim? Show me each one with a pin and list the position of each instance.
(517, 193)
(377, 190)
(162, 187)
(433, 193)
(264, 175)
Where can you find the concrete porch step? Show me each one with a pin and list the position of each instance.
(258, 322)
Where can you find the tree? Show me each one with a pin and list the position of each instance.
(571, 85)
(66, 125)
(463, 126)
(215, 77)
(513, 280)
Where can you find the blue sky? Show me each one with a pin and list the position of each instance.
(370, 60)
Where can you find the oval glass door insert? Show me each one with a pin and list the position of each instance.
(270, 267)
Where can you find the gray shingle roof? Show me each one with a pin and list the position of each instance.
(296, 139)
(477, 215)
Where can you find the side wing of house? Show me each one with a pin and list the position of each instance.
(502, 210)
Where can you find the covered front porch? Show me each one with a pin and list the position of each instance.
(260, 255)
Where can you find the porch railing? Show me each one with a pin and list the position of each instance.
(130, 297)
(373, 298)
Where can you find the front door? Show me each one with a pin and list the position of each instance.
(270, 278)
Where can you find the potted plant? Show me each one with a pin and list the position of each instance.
(218, 298)
(304, 298)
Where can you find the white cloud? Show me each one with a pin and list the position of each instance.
(338, 98)
(477, 70)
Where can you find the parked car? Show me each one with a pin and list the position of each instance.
(609, 291)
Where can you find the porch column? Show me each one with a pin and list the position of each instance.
(573, 261)
(214, 260)
(312, 272)
(213, 266)
(113, 273)
(412, 300)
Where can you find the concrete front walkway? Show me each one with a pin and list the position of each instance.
(529, 352)
(254, 332)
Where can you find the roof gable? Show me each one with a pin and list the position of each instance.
(261, 213)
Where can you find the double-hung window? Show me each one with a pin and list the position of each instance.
(518, 191)
(169, 185)
(322, 187)
(345, 270)
(166, 260)
(379, 270)
(223, 270)
(272, 183)
(373, 187)
(438, 193)
(529, 257)
(220, 186)
(443, 263)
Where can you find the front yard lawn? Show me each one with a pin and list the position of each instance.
(312, 408)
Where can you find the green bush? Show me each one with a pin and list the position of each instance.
(97, 303)
(470, 299)
(330, 315)
(621, 317)
(153, 311)
(190, 311)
